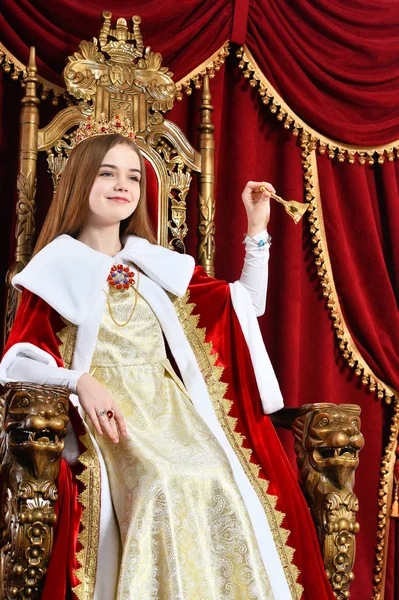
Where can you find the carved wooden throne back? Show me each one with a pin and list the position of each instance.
(115, 76)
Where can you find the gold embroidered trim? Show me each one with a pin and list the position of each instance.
(67, 337)
(354, 358)
(91, 494)
(217, 389)
(17, 70)
(277, 106)
(89, 535)
(210, 67)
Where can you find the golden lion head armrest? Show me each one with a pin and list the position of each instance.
(327, 443)
(34, 426)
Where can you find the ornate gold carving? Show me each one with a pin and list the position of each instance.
(67, 118)
(217, 389)
(179, 186)
(120, 49)
(32, 439)
(196, 77)
(277, 106)
(12, 300)
(59, 144)
(327, 443)
(56, 164)
(177, 179)
(206, 230)
(211, 66)
(206, 199)
(26, 185)
(90, 499)
(26, 208)
(117, 67)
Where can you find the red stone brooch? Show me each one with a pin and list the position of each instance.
(121, 277)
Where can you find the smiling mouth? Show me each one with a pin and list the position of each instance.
(119, 199)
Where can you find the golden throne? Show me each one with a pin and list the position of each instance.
(116, 76)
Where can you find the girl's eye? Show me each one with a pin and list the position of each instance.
(106, 174)
(135, 178)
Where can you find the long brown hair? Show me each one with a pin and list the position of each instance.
(69, 209)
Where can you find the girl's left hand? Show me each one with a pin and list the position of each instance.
(257, 205)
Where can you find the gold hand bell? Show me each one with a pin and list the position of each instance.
(295, 209)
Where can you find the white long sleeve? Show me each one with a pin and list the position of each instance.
(33, 371)
(255, 271)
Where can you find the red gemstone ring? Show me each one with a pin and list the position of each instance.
(110, 414)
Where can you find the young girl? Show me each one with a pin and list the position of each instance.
(186, 513)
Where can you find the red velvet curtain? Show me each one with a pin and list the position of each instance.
(335, 64)
(185, 33)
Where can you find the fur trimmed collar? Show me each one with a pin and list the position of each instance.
(69, 275)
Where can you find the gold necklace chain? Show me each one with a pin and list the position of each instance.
(134, 305)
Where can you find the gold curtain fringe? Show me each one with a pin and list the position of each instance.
(385, 498)
(10, 64)
(195, 77)
(324, 270)
(17, 71)
(364, 155)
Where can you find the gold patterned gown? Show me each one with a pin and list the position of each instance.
(185, 531)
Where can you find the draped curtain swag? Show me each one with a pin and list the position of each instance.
(305, 95)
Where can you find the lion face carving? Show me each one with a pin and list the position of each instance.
(328, 441)
(35, 425)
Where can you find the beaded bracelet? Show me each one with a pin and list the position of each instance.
(261, 244)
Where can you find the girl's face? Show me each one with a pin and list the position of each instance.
(116, 188)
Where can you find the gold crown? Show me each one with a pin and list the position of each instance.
(92, 127)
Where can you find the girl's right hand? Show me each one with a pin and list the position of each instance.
(94, 399)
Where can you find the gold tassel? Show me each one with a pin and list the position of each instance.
(395, 509)
(395, 503)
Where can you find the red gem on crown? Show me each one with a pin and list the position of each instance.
(102, 126)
